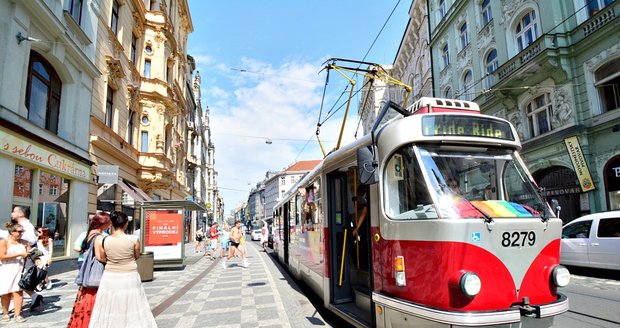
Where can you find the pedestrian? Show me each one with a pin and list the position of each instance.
(46, 245)
(121, 299)
(264, 236)
(199, 236)
(13, 251)
(235, 241)
(213, 233)
(85, 299)
(20, 215)
(225, 240)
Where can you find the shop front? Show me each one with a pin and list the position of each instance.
(50, 182)
(612, 183)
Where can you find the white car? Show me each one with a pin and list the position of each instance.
(256, 233)
(592, 241)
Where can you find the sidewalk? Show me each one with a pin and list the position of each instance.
(203, 294)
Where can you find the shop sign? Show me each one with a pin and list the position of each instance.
(579, 163)
(612, 173)
(29, 151)
(107, 174)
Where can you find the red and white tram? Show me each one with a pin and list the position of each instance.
(431, 219)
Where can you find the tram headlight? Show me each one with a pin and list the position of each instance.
(560, 275)
(470, 284)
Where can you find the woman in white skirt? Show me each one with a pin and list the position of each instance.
(121, 300)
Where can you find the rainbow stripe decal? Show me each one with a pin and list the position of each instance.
(502, 209)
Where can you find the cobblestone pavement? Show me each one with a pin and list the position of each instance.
(202, 294)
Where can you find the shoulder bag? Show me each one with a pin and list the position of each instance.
(31, 277)
(89, 275)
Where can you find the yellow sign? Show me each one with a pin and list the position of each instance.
(579, 163)
(31, 152)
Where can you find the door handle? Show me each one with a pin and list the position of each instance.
(583, 244)
(594, 244)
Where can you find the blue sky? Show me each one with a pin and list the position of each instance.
(260, 62)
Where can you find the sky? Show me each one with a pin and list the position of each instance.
(260, 65)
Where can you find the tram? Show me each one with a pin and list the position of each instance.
(432, 219)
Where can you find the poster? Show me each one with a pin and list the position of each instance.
(163, 233)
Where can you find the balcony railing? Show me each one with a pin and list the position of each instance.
(543, 43)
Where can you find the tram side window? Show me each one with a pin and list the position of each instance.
(406, 192)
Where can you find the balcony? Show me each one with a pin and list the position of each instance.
(156, 171)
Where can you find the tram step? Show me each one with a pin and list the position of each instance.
(362, 299)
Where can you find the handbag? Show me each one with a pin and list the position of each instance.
(89, 275)
(32, 277)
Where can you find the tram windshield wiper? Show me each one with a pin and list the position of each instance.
(487, 218)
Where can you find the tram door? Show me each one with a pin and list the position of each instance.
(337, 216)
(286, 231)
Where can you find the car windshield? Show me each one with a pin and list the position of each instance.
(423, 182)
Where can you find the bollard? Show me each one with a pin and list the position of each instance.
(146, 264)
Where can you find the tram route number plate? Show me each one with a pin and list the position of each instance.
(518, 238)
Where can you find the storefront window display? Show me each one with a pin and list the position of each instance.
(51, 198)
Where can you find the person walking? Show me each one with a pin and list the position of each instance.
(85, 299)
(121, 299)
(225, 241)
(13, 251)
(45, 244)
(264, 236)
(235, 241)
(20, 215)
(214, 233)
(198, 237)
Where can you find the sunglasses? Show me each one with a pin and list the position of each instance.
(19, 231)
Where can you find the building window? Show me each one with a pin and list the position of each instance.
(144, 144)
(442, 9)
(463, 34)
(75, 10)
(491, 65)
(130, 124)
(467, 93)
(109, 107)
(282, 180)
(527, 30)
(114, 21)
(134, 42)
(147, 68)
(448, 93)
(43, 93)
(539, 115)
(594, 6)
(608, 85)
(487, 15)
(445, 56)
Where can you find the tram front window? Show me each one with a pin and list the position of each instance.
(458, 182)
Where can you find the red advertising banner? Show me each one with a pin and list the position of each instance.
(163, 227)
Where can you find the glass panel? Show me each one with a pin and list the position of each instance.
(22, 182)
(40, 68)
(52, 209)
(37, 108)
(609, 228)
(577, 230)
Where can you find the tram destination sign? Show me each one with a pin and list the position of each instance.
(466, 126)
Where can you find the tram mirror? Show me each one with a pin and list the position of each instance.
(367, 165)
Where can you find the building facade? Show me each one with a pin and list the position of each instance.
(47, 67)
(551, 68)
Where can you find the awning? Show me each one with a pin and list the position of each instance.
(135, 193)
(189, 205)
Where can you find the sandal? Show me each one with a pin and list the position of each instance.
(19, 319)
(6, 318)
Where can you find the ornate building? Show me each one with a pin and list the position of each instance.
(551, 68)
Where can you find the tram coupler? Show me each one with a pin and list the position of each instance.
(527, 310)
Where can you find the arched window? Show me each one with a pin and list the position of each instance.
(527, 30)
(608, 85)
(468, 91)
(448, 93)
(43, 93)
(491, 65)
(539, 115)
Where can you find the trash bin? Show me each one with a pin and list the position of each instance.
(146, 264)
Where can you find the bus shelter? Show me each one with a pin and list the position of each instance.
(163, 230)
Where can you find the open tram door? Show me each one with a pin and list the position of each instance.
(350, 252)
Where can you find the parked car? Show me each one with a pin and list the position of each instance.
(255, 233)
(592, 241)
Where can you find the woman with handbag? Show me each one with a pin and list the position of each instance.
(13, 251)
(121, 300)
(85, 300)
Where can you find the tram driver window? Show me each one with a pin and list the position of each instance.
(406, 193)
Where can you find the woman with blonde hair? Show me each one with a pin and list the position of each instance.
(13, 251)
